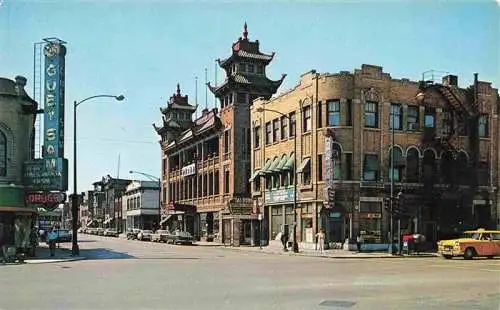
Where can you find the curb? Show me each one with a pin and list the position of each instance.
(330, 257)
(55, 260)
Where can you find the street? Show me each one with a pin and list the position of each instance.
(123, 274)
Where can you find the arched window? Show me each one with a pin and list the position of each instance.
(412, 166)
(448, 167)
(3, 154)
(429, 165)
(399, 164)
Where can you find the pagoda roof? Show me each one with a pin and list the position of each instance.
(178, 102)
(248, 79)
(266, 58)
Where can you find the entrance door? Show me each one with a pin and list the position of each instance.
(226, 231)
(236, 233)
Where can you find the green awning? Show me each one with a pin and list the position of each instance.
(290, 163)
(305, 165)
(255, 175)
(266, 166)
(272, 168)
(281, 164)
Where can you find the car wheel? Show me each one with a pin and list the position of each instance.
(469, 253)
(448, 256)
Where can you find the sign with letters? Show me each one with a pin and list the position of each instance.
(54, 100)
(188, 170)
(46, 174)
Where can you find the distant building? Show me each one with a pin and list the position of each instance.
(17, 117)
(113, 189)
(445, 166)
(206, 162)
(141, 204)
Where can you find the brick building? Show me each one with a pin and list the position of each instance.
(206, 162)
(445, 163)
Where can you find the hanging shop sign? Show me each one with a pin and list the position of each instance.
(188, 170)
(46, 174)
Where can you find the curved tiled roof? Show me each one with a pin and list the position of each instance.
(249, 79)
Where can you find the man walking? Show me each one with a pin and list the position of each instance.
(321, 241)
(52, 239)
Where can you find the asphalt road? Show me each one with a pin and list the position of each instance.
(122, 274)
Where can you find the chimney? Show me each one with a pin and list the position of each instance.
(450, 80)
(20, 83)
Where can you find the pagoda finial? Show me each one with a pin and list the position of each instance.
(245, 31)
(178, 90)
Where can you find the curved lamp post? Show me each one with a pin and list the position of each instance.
(295, 244)
(75, 251)
(153, 178)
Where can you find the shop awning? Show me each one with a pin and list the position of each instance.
(256, 174)
(272, 167)
(165, 219)
(290, 163)
(266, 166)
(281, 164)
(305, 165)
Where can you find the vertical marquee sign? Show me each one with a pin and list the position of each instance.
(54, 52)
(331, 157)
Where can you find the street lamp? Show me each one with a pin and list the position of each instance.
(295, 244)
(391, 227)
(153, 178)
(75, 251)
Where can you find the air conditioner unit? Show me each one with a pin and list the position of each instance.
(414, 126)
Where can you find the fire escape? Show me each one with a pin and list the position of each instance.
(463, 108)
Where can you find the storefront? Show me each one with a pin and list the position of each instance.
(240, 223)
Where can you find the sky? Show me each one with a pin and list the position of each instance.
(143, 48)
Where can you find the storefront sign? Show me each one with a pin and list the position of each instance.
(279, 195)
(54, 100)
(47, 174)
(335, 215)
(370, 215)
(45, 197)
(331, 159)
(188, 170)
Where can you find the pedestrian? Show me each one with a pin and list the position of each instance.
(52, 239)
(321, 241)
(359, 241)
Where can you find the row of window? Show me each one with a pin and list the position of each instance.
(248, 68)
(133, 203)
(3, 154)
(277, 129)
(199, 186)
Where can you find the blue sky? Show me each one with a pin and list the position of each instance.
(142, 49)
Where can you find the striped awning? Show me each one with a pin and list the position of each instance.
(266, 166)
(306, 164)
(272, 167)
(281, 164)
(256, 174)
(290, 163)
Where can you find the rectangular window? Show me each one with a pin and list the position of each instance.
(216, 182)
(268, 133)
(483, 126)
(306, 175)
(200, 186)
(227, 141)
(205, 184)
(319, 115)
(396, 117)
(463, 127)
(226, 181)
(251, 68)
(284, 127)
(319, 165)
(256, 184)
(413, 119)
(371, 167)
(260, 69)
(276, 130)
(333, 107)
(276, 181)
(430, 118)
(293, 124)
(348, 166)
(348, 113)
(241, 67)
(447, 122)
(371, 114)
(306, 120)
(256, 137)
(269, 182)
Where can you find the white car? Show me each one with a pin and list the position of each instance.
(144, 235)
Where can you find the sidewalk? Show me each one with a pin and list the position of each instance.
(62, 254)
(338, 254)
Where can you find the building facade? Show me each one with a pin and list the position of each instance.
(357, 131)
(112, 191)
(17, 117)
(141, 204)
(85, 215)
(206, 162)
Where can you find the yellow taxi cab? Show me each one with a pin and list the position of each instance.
(473, 243)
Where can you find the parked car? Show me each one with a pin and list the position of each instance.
(110, 232)
(144, 235)
(132, 233)
(180, 237)
(100, 232)
(159, 236)
(474, 243)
